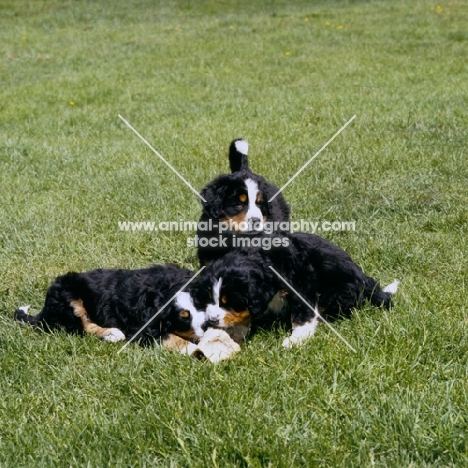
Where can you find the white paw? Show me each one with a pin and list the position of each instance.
(392, 288)
(289, 342)
(113, 335)
(301, 333)
(194, 351)
(217, 345)
(24, 309)
(292, 340)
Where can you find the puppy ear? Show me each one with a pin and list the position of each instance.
(160, 325)
(263, 286)
(238, 155)
(214, 194)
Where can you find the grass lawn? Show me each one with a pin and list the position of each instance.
(190, 76)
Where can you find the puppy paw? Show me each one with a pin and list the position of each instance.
(292, 340)
(288, 342)
(217, 345)
(113, 335)
(196, 352)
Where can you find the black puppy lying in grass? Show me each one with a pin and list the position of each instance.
(115, 305)
(144, 305)
(246, 287)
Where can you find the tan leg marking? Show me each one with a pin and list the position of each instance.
(108, 334)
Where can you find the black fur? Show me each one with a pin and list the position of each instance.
(223, 203)
(123, 299)
(322, 273)
(237, 160)
(248, 283)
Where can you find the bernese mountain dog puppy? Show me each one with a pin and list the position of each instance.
(116, 304)
(235, 291)
(242, 288)
(236, 204)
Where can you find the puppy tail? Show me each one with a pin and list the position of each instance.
(392, 288)
(238, 155)
(22, 315)
(378, 296)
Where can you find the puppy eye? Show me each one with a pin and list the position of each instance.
(224, 299)
(242, 197)
(185, 314)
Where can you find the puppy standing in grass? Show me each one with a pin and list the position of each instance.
(115, 305)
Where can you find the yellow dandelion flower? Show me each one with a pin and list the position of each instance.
(438, 9)
(340, 26)
(306, 19)
(72, 103)
(287, 53)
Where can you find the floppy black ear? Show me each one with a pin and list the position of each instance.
(263, 286)
(214, 194)
(238, 155)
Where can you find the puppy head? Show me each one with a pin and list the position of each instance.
(186, 320)
(234, 290)
(239, 199)
(228, 304)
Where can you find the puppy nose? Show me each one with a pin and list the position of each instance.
(256, 224)
(213, 321)
(212, 314)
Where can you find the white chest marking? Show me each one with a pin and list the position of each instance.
(253, 211)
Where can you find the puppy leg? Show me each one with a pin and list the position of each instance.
(107, 334)
(176, 343)
(304, 321)
(301, 332)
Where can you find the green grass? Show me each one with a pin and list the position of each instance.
(190, 76)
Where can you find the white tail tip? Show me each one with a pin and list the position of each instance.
(242, 147)
(25, 309)
(392, 288)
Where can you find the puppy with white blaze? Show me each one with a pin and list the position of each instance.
(115, 305)
(237, 204)
(254, 287)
